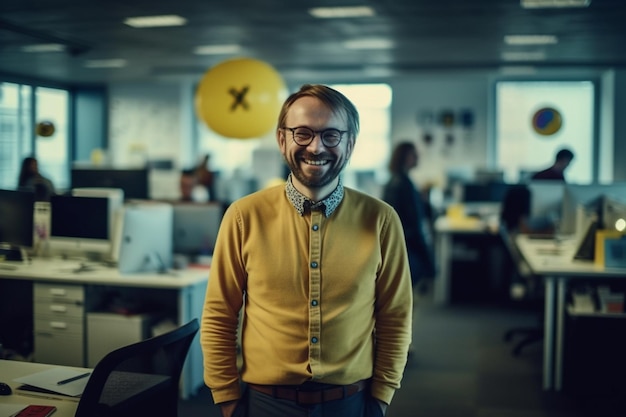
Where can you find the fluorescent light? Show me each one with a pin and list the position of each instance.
(368, 44)
(530, 39)
(518, 70)
(524, 56)
(44, 47)
(339, 12)
(538, 4)
(105, 63)
(217, 49)
(155, 21)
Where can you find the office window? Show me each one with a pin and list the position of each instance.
(522, 149)
(17, 132)
(52, 105)
(367, 168)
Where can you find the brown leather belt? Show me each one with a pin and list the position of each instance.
(308, 396)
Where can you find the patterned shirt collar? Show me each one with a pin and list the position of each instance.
(302, 203)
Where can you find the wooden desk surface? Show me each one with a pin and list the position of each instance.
(81, 272)
(10, 370)
(552, 257)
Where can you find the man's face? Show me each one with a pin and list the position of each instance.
(314, 167)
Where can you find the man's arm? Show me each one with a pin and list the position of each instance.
(220, 317)
(394, 310)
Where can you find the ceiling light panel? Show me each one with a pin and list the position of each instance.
(530, 40)
(539, 4)
(368, 44)
(155, 21)
(44, 47)
(341, 12)
(524, 56)
(217, 49)
(106, 63)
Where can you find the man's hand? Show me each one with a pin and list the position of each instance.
(228, 408)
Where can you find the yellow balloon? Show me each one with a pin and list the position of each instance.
(240, 98)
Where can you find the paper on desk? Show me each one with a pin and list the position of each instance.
(49, 380)
(7, 410)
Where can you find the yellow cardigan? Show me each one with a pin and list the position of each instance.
(326, 299)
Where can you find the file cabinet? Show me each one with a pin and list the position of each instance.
(59, 323)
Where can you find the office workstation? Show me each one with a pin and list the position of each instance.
(583, 268)
(137, 378)
(11, 404)
(465, 233)
(577, 251)
(90, 271)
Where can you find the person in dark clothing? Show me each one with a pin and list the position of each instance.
(556, 172)
(404, 197)
(30, 179)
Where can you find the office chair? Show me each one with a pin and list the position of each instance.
(141, 379)
(515, 206)
(531, 293)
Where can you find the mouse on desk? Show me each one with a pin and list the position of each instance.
(5, 389)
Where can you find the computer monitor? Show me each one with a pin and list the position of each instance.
(486, 176)
(195, 227)
(614, 213)
(546, 198)
(79, 226)
(134, 182)
(143, 240)
(16, 223)
(489, 192)
(575, 195)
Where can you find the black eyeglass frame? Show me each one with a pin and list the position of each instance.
(315, 133)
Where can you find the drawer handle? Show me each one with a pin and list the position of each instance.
(57, 308)
(58, 325)
(58, 292)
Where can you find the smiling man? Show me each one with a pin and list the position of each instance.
(321, 272)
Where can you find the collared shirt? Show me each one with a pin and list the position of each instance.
(327, 299)
(302, 202)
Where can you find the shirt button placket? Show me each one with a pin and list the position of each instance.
(315, 289)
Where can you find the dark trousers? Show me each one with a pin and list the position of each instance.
(257, 404)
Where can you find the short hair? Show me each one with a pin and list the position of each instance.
(332, 98)
(564, 154)
(398, 156)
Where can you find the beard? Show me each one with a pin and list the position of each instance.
(296, 164)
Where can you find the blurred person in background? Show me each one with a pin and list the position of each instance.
(403, 195)
(30, 179)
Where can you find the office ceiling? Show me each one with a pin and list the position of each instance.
(425, 35)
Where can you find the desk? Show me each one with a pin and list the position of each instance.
(445, 230)
(10, 370)
(554, 261)
(179, 294)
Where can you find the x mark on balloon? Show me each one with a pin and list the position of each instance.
(239, 97)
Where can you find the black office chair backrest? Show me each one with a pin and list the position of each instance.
(141, 379)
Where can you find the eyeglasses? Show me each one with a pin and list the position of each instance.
(303, 136)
